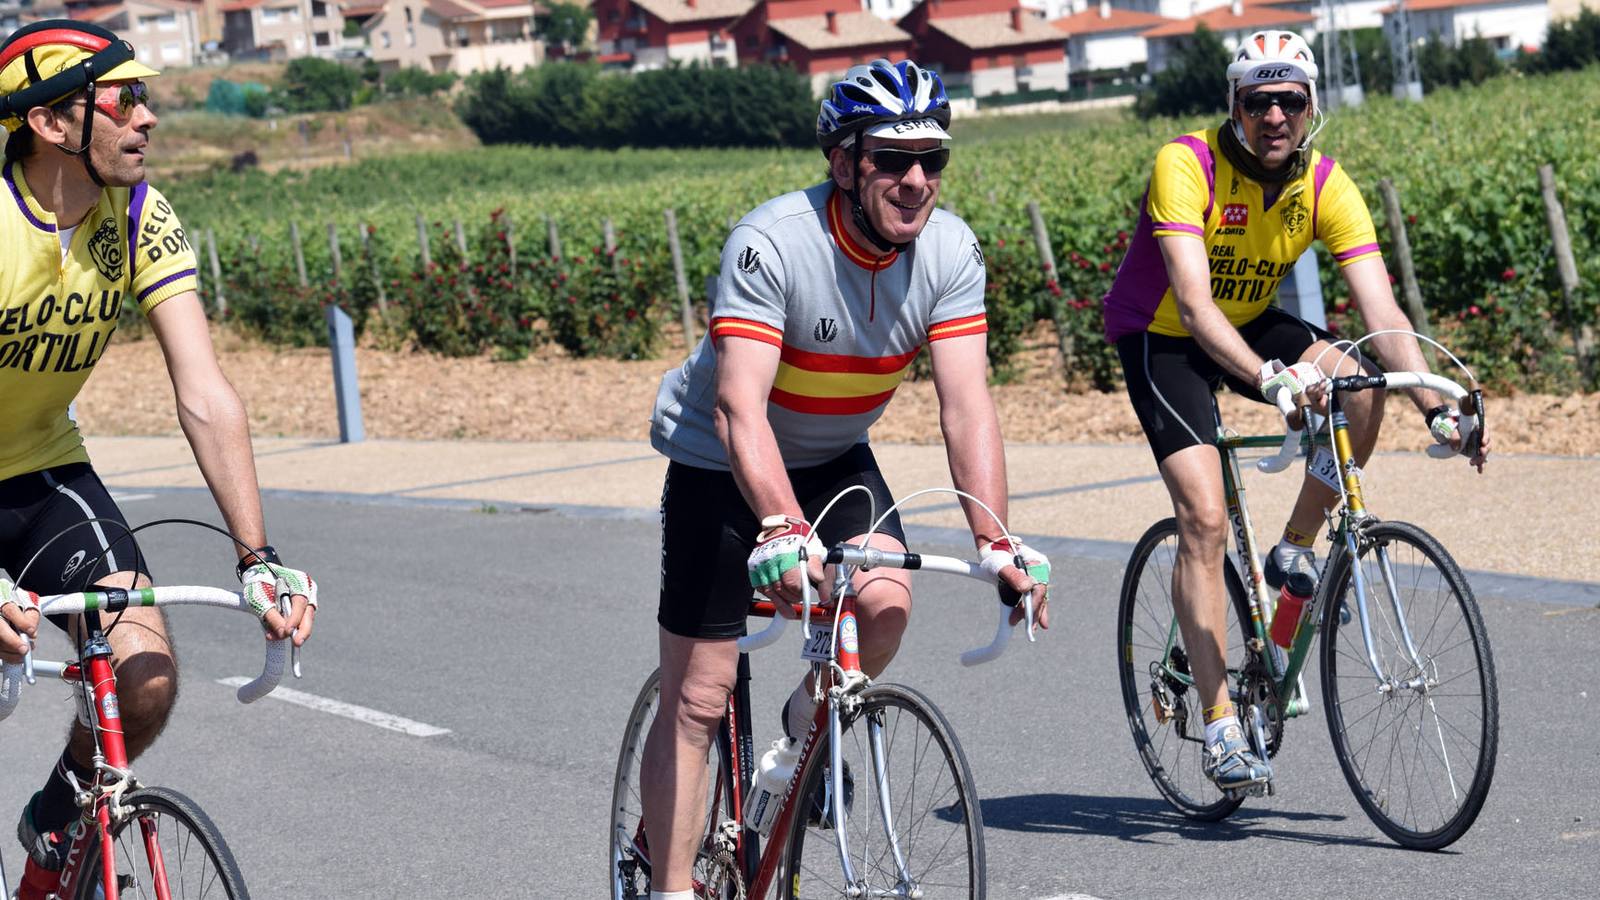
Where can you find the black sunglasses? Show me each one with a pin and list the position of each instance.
(1256, 103)
(898, 162)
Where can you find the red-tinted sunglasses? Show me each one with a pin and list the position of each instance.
(118, 100)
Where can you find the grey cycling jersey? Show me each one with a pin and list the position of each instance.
(847, 321)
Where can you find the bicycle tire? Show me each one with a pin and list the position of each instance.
(1463, 719)
(196, 860)
(629, 879)
(952, 833)
(1171, 750)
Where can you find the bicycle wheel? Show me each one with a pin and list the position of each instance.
(924, 791)
(167, 848)
(1149, 651)
(630, 857)
(1419, 748)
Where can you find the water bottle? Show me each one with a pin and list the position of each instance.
(772, 776)
(1292, 600)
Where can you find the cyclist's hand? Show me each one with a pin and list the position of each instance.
(19, 621)
(1000, 559)
(1444, 423)
(1300, 379)
(264, 583)
(774, 564)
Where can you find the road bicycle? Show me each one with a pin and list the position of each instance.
(1407, 677)
(909, 824)
(132, 839)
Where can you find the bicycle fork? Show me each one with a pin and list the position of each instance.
(845, 698)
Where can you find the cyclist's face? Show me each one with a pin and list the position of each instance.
(897, 203)
(1274, 135)
(120, 136)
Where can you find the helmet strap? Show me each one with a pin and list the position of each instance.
(858, 214)
(1231, 139)
(82, 150)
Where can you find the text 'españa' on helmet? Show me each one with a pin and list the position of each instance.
(49, 61)
(894, 100)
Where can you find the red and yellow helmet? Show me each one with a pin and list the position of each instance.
(48, 61)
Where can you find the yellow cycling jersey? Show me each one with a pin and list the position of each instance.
(57, 313)
(1250, 244)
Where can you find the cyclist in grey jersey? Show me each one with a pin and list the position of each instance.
(825, 297)
(848, 321)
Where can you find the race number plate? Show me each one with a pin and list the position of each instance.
(820, 647)
(1324, 468)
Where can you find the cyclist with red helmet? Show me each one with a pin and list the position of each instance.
(81, 234)
(826, 295)
(1228, 212)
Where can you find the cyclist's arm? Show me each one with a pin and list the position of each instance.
(745, 372)
(973, 446)
(1190, 276)
(211, 414)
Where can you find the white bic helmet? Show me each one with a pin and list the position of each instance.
(1271, 56)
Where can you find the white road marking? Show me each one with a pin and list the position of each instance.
(129, 498)
(1072, 897)
(347, 710)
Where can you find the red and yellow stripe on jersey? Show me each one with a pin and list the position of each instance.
(835, 384)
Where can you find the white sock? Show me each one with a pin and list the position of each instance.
(1285, 551)
(1215, 730)
(801, 709)
(672, 895)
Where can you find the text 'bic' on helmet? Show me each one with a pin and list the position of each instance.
(48, 61)
(884, 93)
(1269, 57)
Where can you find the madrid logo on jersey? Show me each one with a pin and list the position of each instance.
(1236, 214)
(105, 248)
(749, 261)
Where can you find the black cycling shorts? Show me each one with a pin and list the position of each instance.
(66, 501)
(1171, 379)
(708, 531)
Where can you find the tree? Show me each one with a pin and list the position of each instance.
(316, 85)
(566, 24)
(1195, 81)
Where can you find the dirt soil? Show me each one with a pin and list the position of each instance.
(550, 397)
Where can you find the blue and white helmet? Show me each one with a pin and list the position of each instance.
(903, 96)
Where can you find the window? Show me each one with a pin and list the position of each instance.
(299, 43)
(172, 51)
(383, 38)
(269, 16)
(411, 36)
(408, 15)
(463, 37)
(319, 8)
(324, 39)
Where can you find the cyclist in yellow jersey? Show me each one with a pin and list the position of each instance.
(81, 235)
(1227, 213)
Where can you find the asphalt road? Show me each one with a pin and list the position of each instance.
(526, 636)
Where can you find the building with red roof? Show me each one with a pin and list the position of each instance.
(819, 38)
(1506, 24)
(461, 36)
(988, 46)
(1104, 38)
(1232, 23)
(164, 33)
(650, 34)
(281, 29)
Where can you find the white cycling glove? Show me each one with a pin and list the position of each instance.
(22, 597)
(777, 549)
(264, 582)
(999, 554)
(1444, 423)
(1296, 378)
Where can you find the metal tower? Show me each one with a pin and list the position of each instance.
(1341, 73)
(1407, 79)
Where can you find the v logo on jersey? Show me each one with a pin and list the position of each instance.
(1236, 214)
(826, 330)
(749, 261)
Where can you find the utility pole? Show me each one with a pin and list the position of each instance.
(1407, 80)
(1341, 75)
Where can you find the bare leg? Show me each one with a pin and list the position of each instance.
(697, 675)
(1365, 411)
(147, 676)
(1193, 477)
